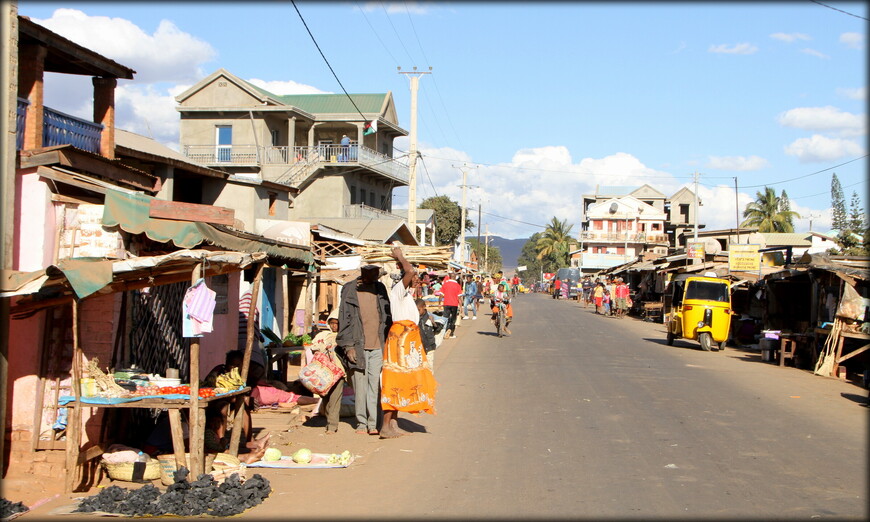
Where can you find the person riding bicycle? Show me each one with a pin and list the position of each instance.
(502, 295)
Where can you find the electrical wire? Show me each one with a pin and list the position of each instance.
(828, 191)
(377, 35)
(395, 31)
(806, 175)
(840, 10)
(327, 61)
(428, 177)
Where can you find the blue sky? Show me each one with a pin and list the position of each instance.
(541, 101)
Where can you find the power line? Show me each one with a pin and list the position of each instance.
(428, 177)
(397, 32)
(327, 61)
(828, 191)
(840, 10)
(377, 35)
(514, 220)
(807, 175)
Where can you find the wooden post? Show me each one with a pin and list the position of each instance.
(195, 420)
(249, 343)
(74, 419)
(177, 437)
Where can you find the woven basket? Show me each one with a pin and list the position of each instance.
(124, 470)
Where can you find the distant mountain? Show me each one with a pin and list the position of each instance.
(510, 250)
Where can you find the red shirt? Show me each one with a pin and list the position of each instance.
(622, 291)
(451, 291)
(558, 284)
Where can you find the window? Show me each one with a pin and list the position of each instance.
(353, 194)
(597, 225)
(371, 199)
(684, 213)
(274, 138)
(224, 141)
(656, 226)
(383, 202)
(362, 196)
(273, 201)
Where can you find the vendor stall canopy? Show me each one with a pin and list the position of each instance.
(80, 278)
(131, 212)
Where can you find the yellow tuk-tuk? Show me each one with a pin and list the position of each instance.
(699, 309)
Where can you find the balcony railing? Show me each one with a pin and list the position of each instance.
(19, 123)
(364, 211)
(600, 261)
(303, 161)
(634, 237)
(62, 129)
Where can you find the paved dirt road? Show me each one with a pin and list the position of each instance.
(582, 416)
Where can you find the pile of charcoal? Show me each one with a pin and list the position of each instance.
(9, 508)
(201, 497)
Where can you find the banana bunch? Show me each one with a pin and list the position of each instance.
(343, 459)
(230, 380)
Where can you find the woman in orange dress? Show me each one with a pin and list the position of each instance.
(407, 382)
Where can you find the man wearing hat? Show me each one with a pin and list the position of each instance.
(364, 320)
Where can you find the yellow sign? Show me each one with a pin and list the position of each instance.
(695, 251)
(744, 258)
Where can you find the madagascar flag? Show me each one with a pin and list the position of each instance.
(370, 127)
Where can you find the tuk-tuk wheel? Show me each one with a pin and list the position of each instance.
(706, 341)
(670, 339)
(722, 346)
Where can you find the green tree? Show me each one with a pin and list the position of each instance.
(838, 205)
(785, 205)
(767, 214)
(857, 219)
(529, 258)
(555, 241)
(490, 259)
(448, 214)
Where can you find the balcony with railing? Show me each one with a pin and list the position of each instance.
(60, 129)
(361, 210)
(623, 236)
(304, 161)
(601, 261)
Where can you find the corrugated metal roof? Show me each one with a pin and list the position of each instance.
(335, 103)
(773, 239)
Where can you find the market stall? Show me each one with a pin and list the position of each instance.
(72, 282)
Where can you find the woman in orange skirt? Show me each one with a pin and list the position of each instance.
(407, 382)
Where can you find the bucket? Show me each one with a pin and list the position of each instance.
(88, 387)
(168, 467)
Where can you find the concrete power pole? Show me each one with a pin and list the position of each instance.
(695, 235)
(486, 251)
(414, 76)
(464, 170)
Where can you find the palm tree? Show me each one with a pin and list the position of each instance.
(555, 240)
(768, 213)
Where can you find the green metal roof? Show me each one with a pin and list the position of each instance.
(786, 239)
(329, 103)
(335, 103)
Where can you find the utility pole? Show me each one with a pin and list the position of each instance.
(414, 75)
(737, 208)
(486, 251)
(695, 260)
(464, 170)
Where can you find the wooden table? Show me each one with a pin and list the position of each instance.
(281, 355)
(850, 335)
(74, 428)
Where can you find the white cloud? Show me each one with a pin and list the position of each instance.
(852, 40)
(286, 87)
(825, 119)
(858, 93)
(169, 54)
(736, 163)
(515, 190)
(820, 148)
(790, 37)
(817, 54)
(149, 111)
(741, 48)
(719, 208)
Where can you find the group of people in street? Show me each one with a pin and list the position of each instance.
(609, 296)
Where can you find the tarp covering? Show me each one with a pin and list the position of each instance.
(131, 212)
(85, 275)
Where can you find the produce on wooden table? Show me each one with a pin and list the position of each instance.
(230, 380)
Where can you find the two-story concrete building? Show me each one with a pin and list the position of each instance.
(232, 125)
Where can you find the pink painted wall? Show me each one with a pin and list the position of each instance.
(35, 224)
(214, 346)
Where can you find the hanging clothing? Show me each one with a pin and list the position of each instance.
(198, 310)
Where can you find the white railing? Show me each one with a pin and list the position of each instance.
(635, 237)
(360, 210)
(304, 161)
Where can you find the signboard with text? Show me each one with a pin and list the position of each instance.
(744, 258)
(695, 250)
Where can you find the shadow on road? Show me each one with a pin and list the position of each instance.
(854, 397)
(410, 426)
(678, 343)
